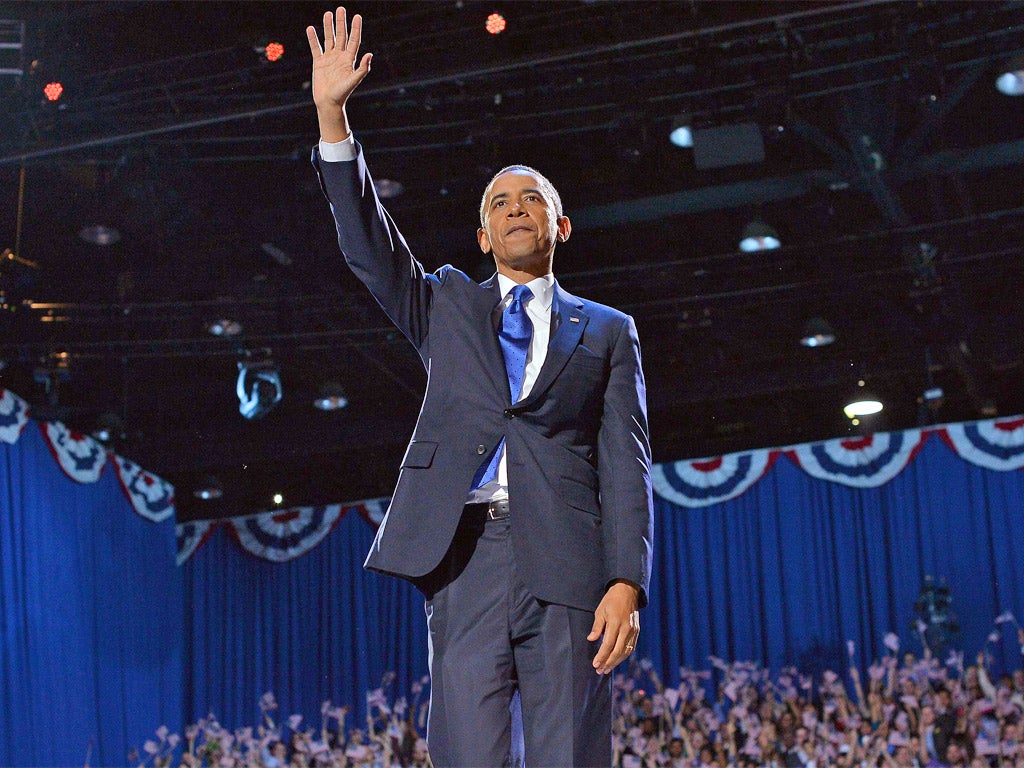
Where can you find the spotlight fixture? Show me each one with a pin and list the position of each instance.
(1011, 81)
(53, 91)
(274, 51)
(862, 403)
(224, 327)
(496, 24)
(332, 397)
(758, 236)
(388, 189)
(681, 133)
(817, 333)
(258, 388)
(99, 234)
(278, 499)
(209, 489)
(109, 429)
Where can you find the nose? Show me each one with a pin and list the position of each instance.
(515, 209)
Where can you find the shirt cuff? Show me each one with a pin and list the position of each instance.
(338, 151)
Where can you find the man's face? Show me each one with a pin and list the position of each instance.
(520, 225)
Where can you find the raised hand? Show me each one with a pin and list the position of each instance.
(337, 70)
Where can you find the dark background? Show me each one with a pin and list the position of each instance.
(891, 172)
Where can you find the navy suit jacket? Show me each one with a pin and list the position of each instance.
(577, 448)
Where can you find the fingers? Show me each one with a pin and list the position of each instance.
(340, 28)
(314, 42)
(328, 31)
(356, 35)
(619, 641)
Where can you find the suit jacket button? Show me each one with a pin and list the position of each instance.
(480, 450)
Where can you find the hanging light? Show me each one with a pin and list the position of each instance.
(332, 397)
(758, 236)
(209, 489)
(817, 333)
(258, 388)
(1011, 81)
(99, 234)
(862, 403)
(681, 133)
(224, 327)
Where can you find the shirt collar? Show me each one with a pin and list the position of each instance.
(542, 288)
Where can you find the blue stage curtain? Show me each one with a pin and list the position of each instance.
(90, 616)
(789, 571)
(313, 629)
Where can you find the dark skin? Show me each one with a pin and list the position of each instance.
(521, 231)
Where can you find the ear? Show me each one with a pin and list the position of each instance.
(564, 229)
(483, 240)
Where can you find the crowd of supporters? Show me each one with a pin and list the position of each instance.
(902, 711)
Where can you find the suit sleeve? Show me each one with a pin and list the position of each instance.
(374, 249)
(624, 467)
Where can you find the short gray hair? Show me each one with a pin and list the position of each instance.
(545, 186)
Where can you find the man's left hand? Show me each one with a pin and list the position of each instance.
(618, 620)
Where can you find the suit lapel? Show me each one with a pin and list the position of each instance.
(483, 302)
(567, 324)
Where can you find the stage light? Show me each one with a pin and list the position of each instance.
(278, 499)
(224, 327)
(1011, 81)
(817, 333)
(332, 397)
(681, 133)
(274, 51)
(209, 489)
(109, 429)
(258, 388)
(496, 24)
(388, 189)
(862, 403)
(758, 236)
(53, 91)
(99, 234)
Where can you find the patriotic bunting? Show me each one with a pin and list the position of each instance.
(286, 534)
(81, 457)
(705, 482)
(190, 536)
(150, 496)
(862, 462)
(13, 416)
(997, 445)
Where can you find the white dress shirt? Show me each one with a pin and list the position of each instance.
(538, 307)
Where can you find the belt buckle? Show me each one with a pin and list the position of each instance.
(498, 510)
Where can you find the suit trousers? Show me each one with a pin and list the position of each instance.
(490, 639)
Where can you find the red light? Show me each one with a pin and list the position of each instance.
(53, 91)
(496, 24)
(274, 51)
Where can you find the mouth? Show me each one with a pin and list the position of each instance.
(519, 228)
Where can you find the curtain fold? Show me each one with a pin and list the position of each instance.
(312, 629)
(90, 616)
(788, 572)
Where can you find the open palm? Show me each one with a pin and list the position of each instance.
(337, 69)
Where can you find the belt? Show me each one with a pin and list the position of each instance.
(494, 510)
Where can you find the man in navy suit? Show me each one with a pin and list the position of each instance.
(523, 507)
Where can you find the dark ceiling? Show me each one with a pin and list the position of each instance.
(891, 171)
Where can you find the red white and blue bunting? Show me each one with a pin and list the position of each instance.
(150, 496)
(285, 534)
(703, 482)
(80, 456)
(281, 535)
(862, 462)
(13, 416)
(190, 536)
(996, 444)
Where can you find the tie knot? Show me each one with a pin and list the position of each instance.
(520, 293)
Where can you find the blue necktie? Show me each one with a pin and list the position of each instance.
(514, 334)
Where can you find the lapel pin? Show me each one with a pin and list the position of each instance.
(574, 319)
